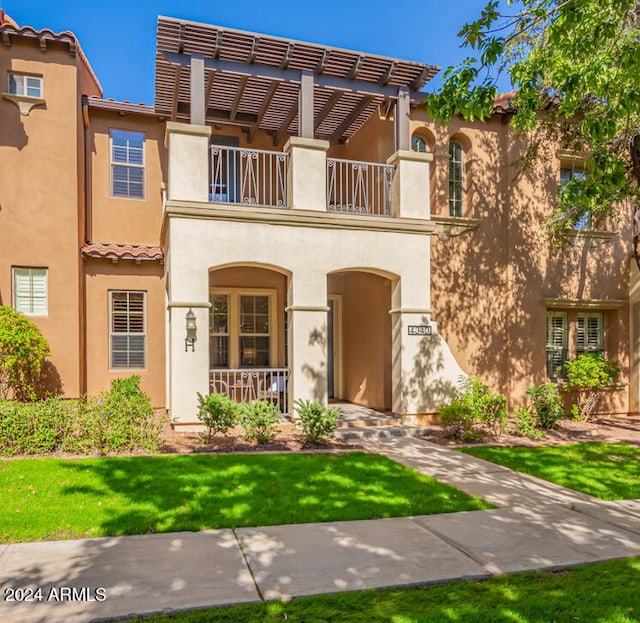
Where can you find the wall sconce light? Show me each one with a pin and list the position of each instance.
(192, 329)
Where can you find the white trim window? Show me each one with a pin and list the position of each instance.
(22, 84)
(590, 333)
(557, 341)
(456, 178)
(243, 328)
(127, 330)
(30, 291)
(127, 164)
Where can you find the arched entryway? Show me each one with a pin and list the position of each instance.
(248, 333)
(359, 337)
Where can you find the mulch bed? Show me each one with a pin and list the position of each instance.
(605, 429)
(177, 442)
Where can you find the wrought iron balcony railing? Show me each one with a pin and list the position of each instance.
(357, 187)
(253, 177)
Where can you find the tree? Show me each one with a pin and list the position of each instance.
(575, 66)
(22, 352)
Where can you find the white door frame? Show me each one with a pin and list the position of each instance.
(336, 347)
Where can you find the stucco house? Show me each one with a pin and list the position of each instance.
(285, 222)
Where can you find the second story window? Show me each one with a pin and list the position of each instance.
(21, 84)
(566, 175)
(127, 164)
(456, 178)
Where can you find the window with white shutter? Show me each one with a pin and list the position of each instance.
(127, 164)
(128, 330)
(589, 333)
(557, 339)
(30, 291)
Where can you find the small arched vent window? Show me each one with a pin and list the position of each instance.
(418, 144)
(456, 178)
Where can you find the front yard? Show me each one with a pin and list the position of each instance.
(608, 471)
(49, 498)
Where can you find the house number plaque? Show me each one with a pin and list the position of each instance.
(420, 329)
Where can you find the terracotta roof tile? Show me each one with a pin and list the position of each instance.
(502, 103)
(121, 252)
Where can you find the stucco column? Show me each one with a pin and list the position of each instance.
(189, 369)
(188, 170)
(410, 192)
(307, 326)
(424, 372)
(307, 173)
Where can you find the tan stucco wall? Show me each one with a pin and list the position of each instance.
(121, 220)
(489, 284)
(39, 196)
(101, 276)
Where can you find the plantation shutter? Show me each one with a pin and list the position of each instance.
(128, 331)
(556, 344)
(30, 291)
(589, 333)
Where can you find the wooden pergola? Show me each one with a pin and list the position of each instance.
(210, 74)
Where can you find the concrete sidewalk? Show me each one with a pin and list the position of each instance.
(535, 527)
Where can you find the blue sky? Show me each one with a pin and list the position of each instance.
(118, 37)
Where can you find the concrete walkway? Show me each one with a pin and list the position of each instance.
(537, 525)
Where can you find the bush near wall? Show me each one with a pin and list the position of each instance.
(22, 353)
(119, 420)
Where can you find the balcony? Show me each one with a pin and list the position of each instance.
(258, 178)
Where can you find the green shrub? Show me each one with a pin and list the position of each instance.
(588, 375)
(218, 413)
(316, 421)
(259, 421)
(547, 404)
(491, 410)
(22, 352)
(121, 419)
(38, 427)
(526, 421)
(474, 404)
(457, 419)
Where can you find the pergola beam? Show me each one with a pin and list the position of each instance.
(285, 124)
(355, 113)
(238, 97)
(263, 109)
(295, 76)
(326, 109)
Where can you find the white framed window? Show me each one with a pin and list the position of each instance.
(30, 291)
(242, 328)
(589, 333)
(566, 175)
(23, 84)
(127, 330)
(127, 164)
(557, 343)
(456, 178)
(586, 327)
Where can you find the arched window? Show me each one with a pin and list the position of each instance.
(456, 178)
(418, 144)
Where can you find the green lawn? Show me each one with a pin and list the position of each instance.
(601, 593)
(609, 471)
(50, 498)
